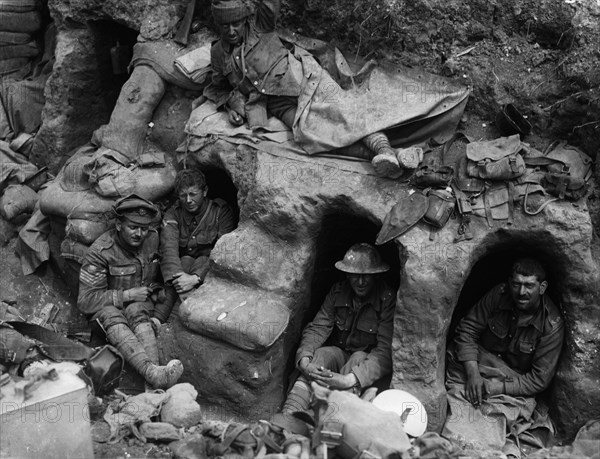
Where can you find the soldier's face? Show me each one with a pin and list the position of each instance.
(526, 291)
(361, 284)
(131, 234)
(192, 198)
(233, 32)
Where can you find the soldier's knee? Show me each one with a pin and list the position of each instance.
(139, 312)
(110, 316)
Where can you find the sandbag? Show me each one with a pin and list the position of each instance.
(72, 176)
(111, 176)
(25, 50)
(17, 200)
(73, 250)
(154, 183)
(23, 22)
(128, 124)
(14, 38)
(88, 230)
(8, 66)
(73, 204)
(181, 409)
(18, 6)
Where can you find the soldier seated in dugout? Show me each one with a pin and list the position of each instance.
(117, 288)
(348, 345)
(191, 228)
(505, 353)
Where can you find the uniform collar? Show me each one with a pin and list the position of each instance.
(348, 296)
(538, 318)
(188, 217)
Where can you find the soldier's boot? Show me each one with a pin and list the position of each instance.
(385, 161)
(298, 398)
(162, 311)
(147, 337)
(409, 158)
(160, 377)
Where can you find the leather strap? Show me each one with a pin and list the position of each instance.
(448, 144)
(488, 208)
(543, 161)
(539, 209)
(55, 346)
(463, 202)
(511, 201)
(230, 437)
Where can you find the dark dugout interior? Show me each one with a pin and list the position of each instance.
(221, 186)
(113, 47)
(339, 231)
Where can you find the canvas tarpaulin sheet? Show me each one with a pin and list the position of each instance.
(410, 106)
(213, 127)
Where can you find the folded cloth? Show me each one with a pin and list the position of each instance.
(160, 56)
(195, 65)
(505, 423)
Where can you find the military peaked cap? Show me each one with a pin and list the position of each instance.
(136, 209)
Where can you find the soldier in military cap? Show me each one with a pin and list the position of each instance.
(348, 345)
(191, 229)
(117, 284)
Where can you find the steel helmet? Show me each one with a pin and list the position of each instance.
(399, 401)
(362, 258)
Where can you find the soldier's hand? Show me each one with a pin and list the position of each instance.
(475, 390)
(137, 294)
(185, 282)
(307, 367)
(235, 118)
(333, 380)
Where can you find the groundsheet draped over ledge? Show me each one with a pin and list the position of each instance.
(410, 106)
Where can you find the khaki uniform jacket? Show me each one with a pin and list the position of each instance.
(184, 234)
(108, 269)
(261, 66)
(368, 328)
(531, 348)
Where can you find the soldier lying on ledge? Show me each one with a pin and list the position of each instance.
(253, 72)
(506, 352)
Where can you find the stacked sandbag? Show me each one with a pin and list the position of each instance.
(79, 201)
(17, 200)
(20, 20)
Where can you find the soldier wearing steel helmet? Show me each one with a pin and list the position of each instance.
(348, 344)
